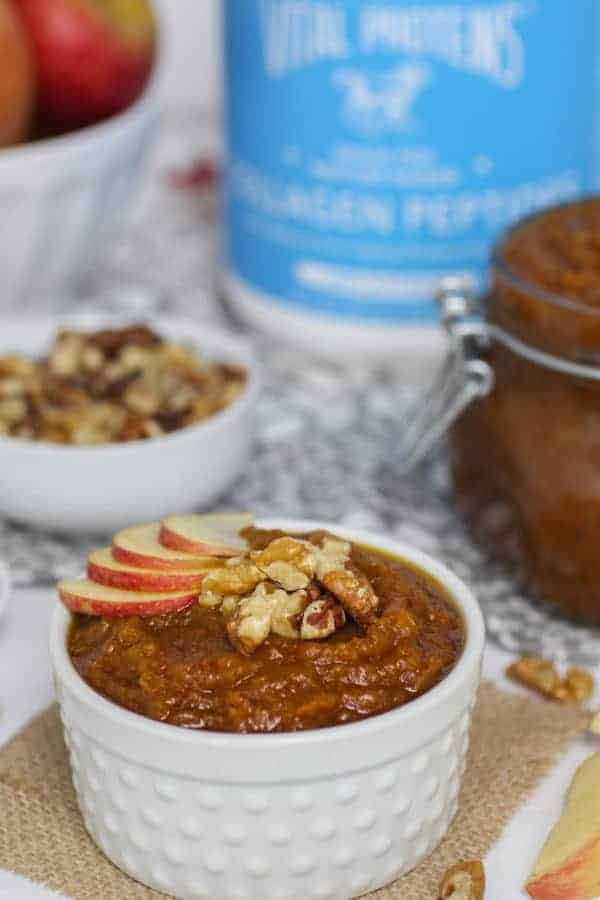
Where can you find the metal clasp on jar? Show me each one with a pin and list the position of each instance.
(462, 377)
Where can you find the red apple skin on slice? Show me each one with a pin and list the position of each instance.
(214, 534)
(84, 596)
(568, 867)
(139, 547)
(573, 881)
(103, 568)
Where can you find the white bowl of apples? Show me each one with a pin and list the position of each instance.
(78, 110)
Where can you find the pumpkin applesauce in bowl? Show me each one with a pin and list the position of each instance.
(204, 668)
(300, 631)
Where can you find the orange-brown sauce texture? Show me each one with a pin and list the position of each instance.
(181, 669)
(559, 251)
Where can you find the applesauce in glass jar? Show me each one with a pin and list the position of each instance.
(525, 455)
(519, 392)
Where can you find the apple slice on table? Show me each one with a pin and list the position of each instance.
(83, 596)
(103, 568)
(569, 865)
(139, 546)
(214, 534)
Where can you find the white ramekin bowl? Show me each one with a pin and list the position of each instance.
(330, 813)
(104, 488)
(58, 196)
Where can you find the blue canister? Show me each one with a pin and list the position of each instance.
(374, 147)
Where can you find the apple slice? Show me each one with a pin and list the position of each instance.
(569, 865)
(139, 546)
(103, 568)
(83, 596)
(215, 534)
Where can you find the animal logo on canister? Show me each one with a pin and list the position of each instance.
(379, 102)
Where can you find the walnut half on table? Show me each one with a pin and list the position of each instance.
(541, 675)
(464, 881)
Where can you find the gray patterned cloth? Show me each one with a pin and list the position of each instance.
(326, 440)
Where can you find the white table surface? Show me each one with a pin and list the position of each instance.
(26, 689)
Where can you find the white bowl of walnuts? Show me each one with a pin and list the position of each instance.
(104, 426)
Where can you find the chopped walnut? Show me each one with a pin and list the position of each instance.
(289, 550)
(228, 604)
(293, 562)
(267, 609)
(465, 881)
(354, 591)
(285, 574)
(11, 386)
(322, 618)
(111, 386)
(92, 358)
(210, 600)
(540, 674)
(311, 559)
(237, 580)
(17, 366)
(12, 410)
(535, 672)
(578, 686)
(288, 613)
(250, 624)
(65, 356)
(140, 398)
(281, 589)
(331, 556)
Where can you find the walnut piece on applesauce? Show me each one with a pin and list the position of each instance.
(111, 386)
(541, 675)
(464, 881)
(296, 588)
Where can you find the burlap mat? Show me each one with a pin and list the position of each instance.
(515, 739)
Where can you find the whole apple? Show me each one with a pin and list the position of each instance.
(93, 57)
(17, 78)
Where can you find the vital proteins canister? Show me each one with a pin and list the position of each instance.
(375, 147)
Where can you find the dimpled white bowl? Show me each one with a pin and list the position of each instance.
(104, 488)
(330, 813)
